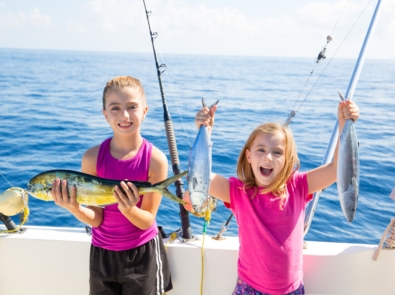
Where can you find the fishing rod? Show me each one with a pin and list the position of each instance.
(171, 139)
(311, 206)
(224, 228)
(8, 222)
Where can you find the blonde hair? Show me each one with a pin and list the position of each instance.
(244, 169)
(119, 83)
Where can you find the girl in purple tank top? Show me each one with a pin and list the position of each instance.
(268, 199)
(127, 253)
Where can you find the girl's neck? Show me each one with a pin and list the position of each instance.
(125, 147)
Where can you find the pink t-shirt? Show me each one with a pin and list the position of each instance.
(116, 232)
(271, 239)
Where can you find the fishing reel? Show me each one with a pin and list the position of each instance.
(13, 201)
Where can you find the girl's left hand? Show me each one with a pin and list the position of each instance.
(347, 110)
(127, 201)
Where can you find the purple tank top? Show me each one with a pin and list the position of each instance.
(116, 232)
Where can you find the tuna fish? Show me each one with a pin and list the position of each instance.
(348, 169)
(199, 169)
(92, 190)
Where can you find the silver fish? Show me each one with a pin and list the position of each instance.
(199, 169)
(348, 169)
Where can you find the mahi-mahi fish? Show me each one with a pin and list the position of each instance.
(199, 169)
(92, 190)
(348, 169)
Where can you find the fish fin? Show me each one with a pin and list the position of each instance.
(203, 103)
(162, 187)
(355, 184)
(165, 183)
(169, 195)
(341, 95)
(214, 104)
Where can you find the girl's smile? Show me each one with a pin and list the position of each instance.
(266, 156)
(125, 125)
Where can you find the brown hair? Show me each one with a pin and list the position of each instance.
(244, 169)
(120, 82)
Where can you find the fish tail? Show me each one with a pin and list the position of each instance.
(165, 192)
(204, 104)
(165, 183)
(161, 187)
(341, 95)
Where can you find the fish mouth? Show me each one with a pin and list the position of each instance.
(198, 200)
(31, 188)
(265, 171)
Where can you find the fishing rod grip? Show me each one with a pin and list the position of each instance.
(171, 141)
(8, 222)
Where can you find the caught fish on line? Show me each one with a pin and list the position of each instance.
(93, 190)
(199, 168)
(348, 169)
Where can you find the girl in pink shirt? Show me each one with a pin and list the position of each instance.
(268, 199)
(127, 253)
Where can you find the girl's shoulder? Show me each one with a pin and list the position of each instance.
(233, 180)
(298, 178)
(92, 152)
(298, 185)
(238, 187)
(89, 160)
(158, 155)
(158, 165)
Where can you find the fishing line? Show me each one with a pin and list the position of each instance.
(176, 100)
(293, 111)
(320, 56)
(6, 179)
(163, 70)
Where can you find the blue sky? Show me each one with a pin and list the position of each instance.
(250, 27)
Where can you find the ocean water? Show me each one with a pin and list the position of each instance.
(51, 113)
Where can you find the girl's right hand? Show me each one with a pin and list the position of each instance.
(187, 199)
(61, 196)
(205, 116)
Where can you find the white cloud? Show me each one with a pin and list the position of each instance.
(197, 28)
(202, 27)
(21, 20)
(108, 16)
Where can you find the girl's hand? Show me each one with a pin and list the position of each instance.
(187, 199)
(205, 116)
(127, 201)
(61, 196)
(347, 110)
(392, 195)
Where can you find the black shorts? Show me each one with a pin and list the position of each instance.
(139, 271)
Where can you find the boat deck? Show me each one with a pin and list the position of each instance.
(45, 260)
